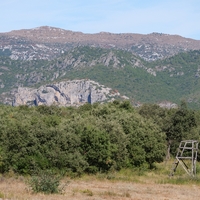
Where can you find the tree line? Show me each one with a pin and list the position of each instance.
(92, 138)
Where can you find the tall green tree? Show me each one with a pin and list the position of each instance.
(181, 127)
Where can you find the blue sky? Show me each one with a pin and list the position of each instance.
(181, 17)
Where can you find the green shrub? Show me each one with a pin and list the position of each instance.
(46, 182)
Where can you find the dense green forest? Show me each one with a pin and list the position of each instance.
(91, 138)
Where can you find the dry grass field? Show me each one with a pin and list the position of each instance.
(122, 185)
(92, 189)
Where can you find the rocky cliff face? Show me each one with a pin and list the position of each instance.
(66, 93)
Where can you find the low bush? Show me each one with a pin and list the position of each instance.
(46, 182)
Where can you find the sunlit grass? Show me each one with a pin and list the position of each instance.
(159, 175)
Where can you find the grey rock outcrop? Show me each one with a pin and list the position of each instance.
(65, 93)
(167, 104)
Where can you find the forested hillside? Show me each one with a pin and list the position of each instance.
(172, 79)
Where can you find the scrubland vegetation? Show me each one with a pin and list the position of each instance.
(100, 140)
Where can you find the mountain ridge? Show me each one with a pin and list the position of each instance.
(47, 39)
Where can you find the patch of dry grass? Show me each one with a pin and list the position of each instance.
(78, 189)
(126, 184)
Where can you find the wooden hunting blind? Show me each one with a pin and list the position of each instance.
(187, 150)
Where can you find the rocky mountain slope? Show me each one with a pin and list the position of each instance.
(30, 73)
(167, 80)
(49, 42)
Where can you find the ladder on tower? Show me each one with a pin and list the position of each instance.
(187, 151)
